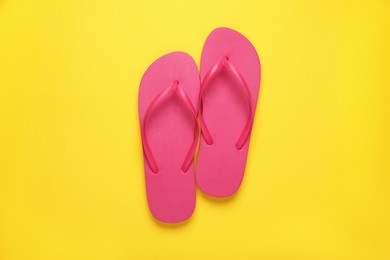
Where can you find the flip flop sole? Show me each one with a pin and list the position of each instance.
(221, 166)
(170, 132)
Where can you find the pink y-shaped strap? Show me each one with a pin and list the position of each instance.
(225, 64)
(174, 89)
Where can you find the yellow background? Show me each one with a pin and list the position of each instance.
(317, 184)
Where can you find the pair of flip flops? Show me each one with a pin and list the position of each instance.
(173, 97)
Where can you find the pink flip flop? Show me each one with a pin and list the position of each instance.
(168, 101)
(230, 76)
